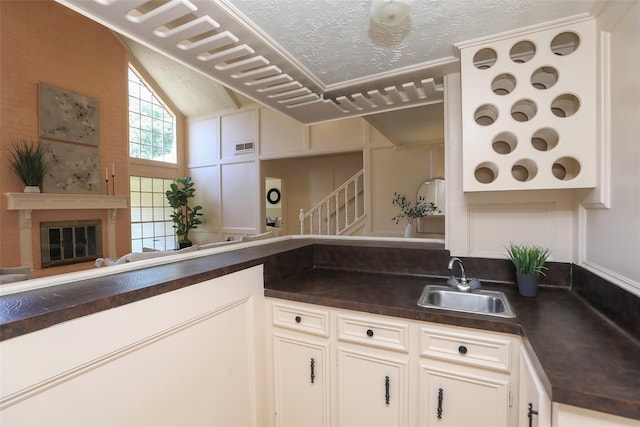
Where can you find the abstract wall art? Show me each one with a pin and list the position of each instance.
(68, 116)
(73, 169)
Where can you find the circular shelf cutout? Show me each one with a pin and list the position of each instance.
(565, 168)
(524, 110)
(485, 58)
(545, 139)
(504, 143)
(565, 43)
(565, 105)
(522, 51)
(503, 84)
(486, 172)
(486, 115)
(524, 170)
(544, 78)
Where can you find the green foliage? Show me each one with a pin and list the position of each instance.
(421, 208)
(184, 216)
(28, 161)
(528, 259)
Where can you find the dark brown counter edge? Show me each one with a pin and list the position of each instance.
(607, 307)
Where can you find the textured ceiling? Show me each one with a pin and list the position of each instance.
(337, 41)
(313, 60)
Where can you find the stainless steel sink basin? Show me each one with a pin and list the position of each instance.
(478, 301)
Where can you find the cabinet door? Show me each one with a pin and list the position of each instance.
(301, 382)
(453, 397)
(372, 389)
(535, 405)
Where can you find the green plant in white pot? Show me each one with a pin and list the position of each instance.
(184, 216)
(28, 161)
(529, 262)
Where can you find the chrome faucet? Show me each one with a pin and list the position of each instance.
(463, 284)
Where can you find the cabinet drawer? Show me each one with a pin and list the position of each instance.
(470, 348)
(374, 332)
(301, 318)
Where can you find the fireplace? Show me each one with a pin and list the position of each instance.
(70, 242)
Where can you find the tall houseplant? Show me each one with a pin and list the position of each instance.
(529, 262)
(184, 216)
(28, 161)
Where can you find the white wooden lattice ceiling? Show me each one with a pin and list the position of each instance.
(318, 60)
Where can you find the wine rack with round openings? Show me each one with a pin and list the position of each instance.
(529, 109)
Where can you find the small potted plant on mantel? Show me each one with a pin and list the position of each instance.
(529, 262)
(28, 161)
(411, 213)
(184, 216)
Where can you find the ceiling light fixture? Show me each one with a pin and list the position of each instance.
(390, 12)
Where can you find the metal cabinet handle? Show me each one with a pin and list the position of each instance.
(440, 398)
(298, 319)
(386, 390)
(313, 370)
(369, 332)
(462, 349)
(530, 414)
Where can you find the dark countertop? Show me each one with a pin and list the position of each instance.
(585, 359)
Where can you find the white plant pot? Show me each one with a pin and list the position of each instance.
(31, 189)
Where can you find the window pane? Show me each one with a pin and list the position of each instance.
(151, 224)
(147, 115)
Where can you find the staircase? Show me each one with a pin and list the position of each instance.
(337, 213)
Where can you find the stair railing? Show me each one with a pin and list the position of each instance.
(344, 202)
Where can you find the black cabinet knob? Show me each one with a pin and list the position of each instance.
(369, 332)
(298, 319)
(462, 349)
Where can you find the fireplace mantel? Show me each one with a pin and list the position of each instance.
(47, 201)
(28, 202)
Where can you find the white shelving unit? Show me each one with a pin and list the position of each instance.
(529, 109)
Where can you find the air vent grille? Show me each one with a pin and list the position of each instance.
(245, 147)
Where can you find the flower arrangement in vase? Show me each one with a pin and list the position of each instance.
(411, 212)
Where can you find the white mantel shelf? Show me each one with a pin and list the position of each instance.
(28, 202)
(47, 201)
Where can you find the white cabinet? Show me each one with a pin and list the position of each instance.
(301, 365)
(373, 370)
(372, 381)
(534, 409)
(465, 377)
(301, 383)
(454, 397)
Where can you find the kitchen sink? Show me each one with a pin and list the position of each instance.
(479, 301)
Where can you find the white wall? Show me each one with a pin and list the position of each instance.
(600, 228)
(611, 232)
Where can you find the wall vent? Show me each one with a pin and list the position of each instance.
(245, 147)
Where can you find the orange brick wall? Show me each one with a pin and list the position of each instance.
(42, 41)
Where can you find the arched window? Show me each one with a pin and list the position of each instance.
(151, 124)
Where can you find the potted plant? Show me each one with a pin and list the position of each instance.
(184, 216)
(529, 262)
(422, 208)
(29, 163)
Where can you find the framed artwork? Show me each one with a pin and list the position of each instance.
(73, 169)
(68, 116)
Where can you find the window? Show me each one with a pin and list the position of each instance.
(151, 225)
(151, 124)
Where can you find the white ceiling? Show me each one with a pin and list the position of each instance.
(313, 60)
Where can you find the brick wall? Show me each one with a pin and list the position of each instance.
(42, 41)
